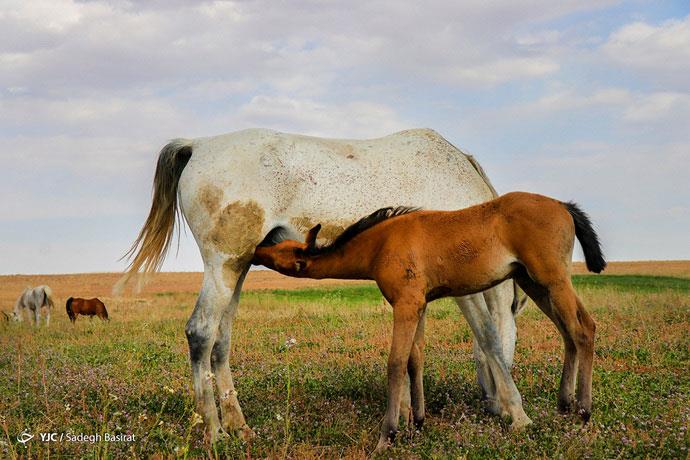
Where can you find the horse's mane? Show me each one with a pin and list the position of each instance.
(361, 225)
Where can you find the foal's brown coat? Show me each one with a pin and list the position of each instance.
(418, 256)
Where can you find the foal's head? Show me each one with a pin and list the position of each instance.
(288, 257)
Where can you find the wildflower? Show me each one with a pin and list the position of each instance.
(68, 407)
(196, 419)
(168, 389)
(279, 417)
(142, 417)
(289, 343)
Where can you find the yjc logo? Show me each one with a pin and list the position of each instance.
(25, 437)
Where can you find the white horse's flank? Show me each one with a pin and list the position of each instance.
(33, 299)
(237, 189)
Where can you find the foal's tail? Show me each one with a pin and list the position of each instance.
(587, 237)
(149, 249)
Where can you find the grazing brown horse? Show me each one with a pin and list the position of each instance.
(87, 307)
(419, 256)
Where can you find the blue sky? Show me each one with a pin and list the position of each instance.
(582, 100)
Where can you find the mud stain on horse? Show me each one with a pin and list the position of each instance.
(211, 197)
(237, 231)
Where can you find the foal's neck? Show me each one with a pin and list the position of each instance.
(350, 262)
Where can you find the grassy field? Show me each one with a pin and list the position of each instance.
(324, 396)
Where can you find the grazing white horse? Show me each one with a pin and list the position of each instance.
(33, 299)
(237, 190)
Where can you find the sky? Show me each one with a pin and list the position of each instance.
(580, 100)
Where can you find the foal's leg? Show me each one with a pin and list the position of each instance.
(406, 315)
(202, 330)
(577, 328)
(540, 296)
(232, 417)
(477, 314)
(580, 327)
(415, 369)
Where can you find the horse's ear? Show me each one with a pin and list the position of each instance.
(311, 236)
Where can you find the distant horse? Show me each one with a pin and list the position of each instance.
(33, 299)
(419, 256)
(238, 189)
(87, 307)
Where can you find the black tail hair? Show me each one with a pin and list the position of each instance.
(68, 306)
(594, 259)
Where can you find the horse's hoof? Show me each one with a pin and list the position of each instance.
(245, 433)
(492, 406)
(520, 423)
(381, 447)
(219, 435)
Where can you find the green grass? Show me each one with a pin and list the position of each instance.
(637, 283)
(324, 397)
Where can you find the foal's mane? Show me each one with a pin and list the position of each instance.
(360, 226)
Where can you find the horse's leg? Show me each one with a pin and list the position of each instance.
(201, 330)
(47, 315)
(540, 296)
(232, 417)
(415, 369)
(37, 317)
(476, 312)
(405, 318)
(499, 301)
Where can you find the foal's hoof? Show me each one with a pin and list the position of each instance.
(585, 414)
(566, 406)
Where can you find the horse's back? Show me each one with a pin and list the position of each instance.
(263, 179)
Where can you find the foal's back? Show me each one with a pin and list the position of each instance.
(468, 250)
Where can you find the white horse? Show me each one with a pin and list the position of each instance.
(238, 189)
(33, 299)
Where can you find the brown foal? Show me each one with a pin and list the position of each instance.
(419, 256)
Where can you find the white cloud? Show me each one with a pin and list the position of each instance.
(660, 53)
(664, 106)
(499, 71)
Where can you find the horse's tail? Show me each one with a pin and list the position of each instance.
(594, 258)
(150, 247)
(48, 296)
(68, 307)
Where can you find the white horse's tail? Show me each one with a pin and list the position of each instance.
(149, 249)
(48, 296)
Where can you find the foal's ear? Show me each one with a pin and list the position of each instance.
(311, 236)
